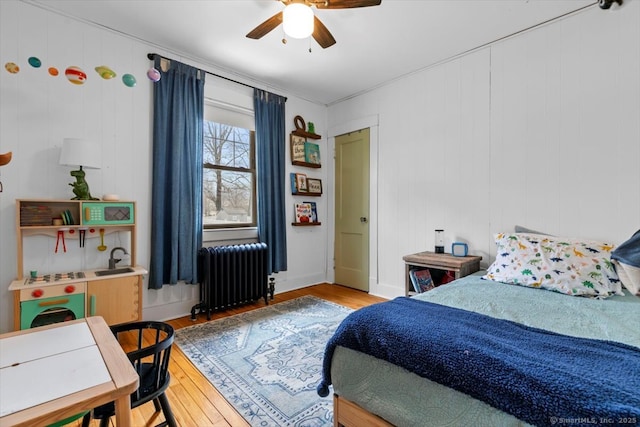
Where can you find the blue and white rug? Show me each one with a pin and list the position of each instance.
(267, 362)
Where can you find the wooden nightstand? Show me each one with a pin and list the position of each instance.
(461, 266)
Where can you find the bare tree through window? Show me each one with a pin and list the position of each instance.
(229, 176)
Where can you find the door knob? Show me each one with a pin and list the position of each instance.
(363, 219)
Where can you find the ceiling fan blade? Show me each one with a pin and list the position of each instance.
(343, 4)
(321, 34)
(268, 25)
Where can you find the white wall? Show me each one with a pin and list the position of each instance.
(540, 130)
(37, 111)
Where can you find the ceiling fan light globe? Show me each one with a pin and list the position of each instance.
(298, 20)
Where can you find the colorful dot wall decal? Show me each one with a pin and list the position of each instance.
(12, 67)
(75, 75)
(153, 75)
(129, 80)
(105, 72)
(34, 62)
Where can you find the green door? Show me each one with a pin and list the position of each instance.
(352, 210)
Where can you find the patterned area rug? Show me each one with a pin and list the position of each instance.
(267, 362)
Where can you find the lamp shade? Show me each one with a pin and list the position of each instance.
(79, 152)
(297, 20)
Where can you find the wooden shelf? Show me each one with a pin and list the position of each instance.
(305, 224)
(305, 194)
(305, 164)
(304, 134)
(46, 228)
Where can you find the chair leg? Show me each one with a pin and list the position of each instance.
(156, 404)
(104, 422)
(86, 419)
(166, 410)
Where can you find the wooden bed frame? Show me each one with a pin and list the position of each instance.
(348, 414)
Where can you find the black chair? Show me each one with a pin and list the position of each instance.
(151, 361)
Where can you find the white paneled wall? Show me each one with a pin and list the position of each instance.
(37, 111)
(565, 119)
(540, 130)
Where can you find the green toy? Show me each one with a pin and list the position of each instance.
(80, 187)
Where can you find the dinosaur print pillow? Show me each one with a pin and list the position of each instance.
(568, 266)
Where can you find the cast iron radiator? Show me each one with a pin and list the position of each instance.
(230, 276)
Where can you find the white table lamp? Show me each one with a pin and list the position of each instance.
(82, 153)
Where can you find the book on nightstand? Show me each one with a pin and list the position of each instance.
(421, 280)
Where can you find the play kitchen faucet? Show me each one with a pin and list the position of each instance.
(112, 260)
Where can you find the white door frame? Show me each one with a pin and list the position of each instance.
(370, 122)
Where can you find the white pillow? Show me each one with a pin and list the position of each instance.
(521, 229)
(627, 261)
(565, 265)
(629, 275)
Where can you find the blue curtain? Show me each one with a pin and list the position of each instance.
(176, 204)
(270, 141)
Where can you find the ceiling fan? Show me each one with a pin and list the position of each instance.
(315, 27)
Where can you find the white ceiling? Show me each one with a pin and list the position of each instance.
(374, 45)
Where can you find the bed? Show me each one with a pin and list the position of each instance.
(369, 390)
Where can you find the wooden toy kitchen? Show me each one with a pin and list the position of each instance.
(113, 292)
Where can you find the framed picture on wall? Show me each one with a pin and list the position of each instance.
(297, 148)
(302, 212)
(294, 183)
(314, 211)
(301, 182)
(312, 153)
(314, 185)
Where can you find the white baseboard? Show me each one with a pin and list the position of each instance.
(169, 311)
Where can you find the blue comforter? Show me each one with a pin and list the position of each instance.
(533, 374)
(629, 251)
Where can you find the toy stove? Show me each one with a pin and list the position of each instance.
(50, 298)
(56, 277)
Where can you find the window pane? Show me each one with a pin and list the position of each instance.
(229, 176)
(226, 145)
(227, 197)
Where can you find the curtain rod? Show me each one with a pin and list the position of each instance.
(152, 56)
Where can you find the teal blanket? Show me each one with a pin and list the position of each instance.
(531, 373)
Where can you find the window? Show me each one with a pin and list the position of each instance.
(229, 178)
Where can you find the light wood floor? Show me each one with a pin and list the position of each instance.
(194, 401)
